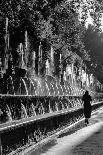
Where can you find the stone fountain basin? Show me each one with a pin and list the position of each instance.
(19, 123)
(14, 134)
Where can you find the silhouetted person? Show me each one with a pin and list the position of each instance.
(87, 106)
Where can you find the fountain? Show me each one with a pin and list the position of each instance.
(9, 114)
(30, 104)
(10, 77)
(34, 104)
(36, 86)
(32, 86)
(26, 90)
(56, 105)
(23, 111)
(34, 95)
(50, 110)
(33, 113)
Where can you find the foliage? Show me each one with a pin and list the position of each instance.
(63, 30)
(59, 23)
(93, 41)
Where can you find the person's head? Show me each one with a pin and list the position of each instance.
(86, 92)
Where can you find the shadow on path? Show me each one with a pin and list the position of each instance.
(44, 148)
(91, 146)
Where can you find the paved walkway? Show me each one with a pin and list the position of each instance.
(88, 140)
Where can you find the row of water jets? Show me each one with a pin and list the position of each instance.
(32, 112)
(39, 87)
(48, 86)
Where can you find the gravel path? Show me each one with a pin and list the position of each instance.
(88, 140)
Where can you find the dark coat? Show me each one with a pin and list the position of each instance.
(87, 105)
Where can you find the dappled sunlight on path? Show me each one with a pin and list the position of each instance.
(87, 140)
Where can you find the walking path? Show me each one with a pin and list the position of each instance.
(88, 140)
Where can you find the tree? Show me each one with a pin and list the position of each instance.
(57, 23)
(94, 45)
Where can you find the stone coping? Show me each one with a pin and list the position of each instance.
(9, 95)
(24, 121)
(4, 127)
